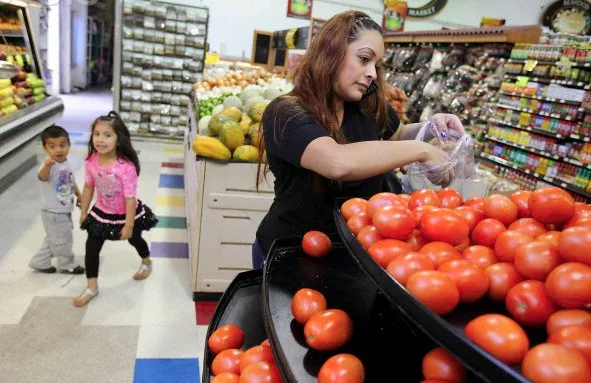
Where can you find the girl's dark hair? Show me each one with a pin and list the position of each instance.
(317, 72)
(124, 147)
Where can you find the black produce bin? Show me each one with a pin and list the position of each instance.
(241, 305)
(389, 349)
(447, 331)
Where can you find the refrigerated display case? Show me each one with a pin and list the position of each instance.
(25, 106)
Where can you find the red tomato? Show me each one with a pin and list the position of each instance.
(256, 354)
(582, 209)
(306, 303)
(471, 215)
(328, 330)
(440, 364)
(352, 207)
(520, 199)
(416, 240)
(358, 222)
(226, 337)
(528, 226)
(227, 361)
(501, 208)
(507, 243)
(395, 221)
(403, 267)
(502, 277)
(435, 290)
(384, 251)
(471, 280)
(550, 237)
(528, 303)
(261, 372)
(449, 198)
(266, 343)
(380, 200)
(486, 232)
(565, 318)
(423, 197)
(569, 285)
(404, 198)
(475, 202)
(226, 377)
(419, 211)
(553, 363)
(316, 244)
(481, 255)
(551, 205)
(444, 225)
(440, 252)
(464, 245)
(574, 337)
(342, 368)
(500, 336)
(368, 236)
(535, 260)
(574, 244)
(578, 220)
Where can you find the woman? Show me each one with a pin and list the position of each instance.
(333, 135)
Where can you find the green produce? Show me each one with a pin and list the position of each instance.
(246, 153)
(215, 124)
(231, 135)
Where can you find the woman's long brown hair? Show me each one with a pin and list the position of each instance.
(316, 75)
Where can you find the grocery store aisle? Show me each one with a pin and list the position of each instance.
(133, 331)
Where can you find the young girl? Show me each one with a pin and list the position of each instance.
(112, 167)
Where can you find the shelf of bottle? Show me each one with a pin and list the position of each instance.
(542, 132)
(547, 62)
(572, 83)
(549, 180)
(557, 116)
(539, 152)
(548, 99)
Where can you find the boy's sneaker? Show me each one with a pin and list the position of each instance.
(76, 270)
(143, 272)
(49, 270)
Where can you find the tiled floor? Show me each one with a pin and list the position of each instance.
(144, 331)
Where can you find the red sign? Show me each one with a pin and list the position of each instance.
(301, 9)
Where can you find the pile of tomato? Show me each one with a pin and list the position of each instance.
(530, 251)
(233, 365)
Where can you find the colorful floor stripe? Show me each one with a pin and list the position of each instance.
(172, 181)
(167, 370)
(172, 222)
(169, 250)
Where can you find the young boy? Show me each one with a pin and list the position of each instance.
(58, 190)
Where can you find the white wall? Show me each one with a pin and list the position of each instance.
(232, 22)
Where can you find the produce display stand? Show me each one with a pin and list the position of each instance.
(19, 129)
(224, 209)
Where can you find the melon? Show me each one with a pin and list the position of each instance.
(249, 93)
(233, 102)
(255, 133)
(231, 135)
(252, 101)
(246, 153)
(256, 111)
(217, 109)
(215, 124)
(234, 113)
(272, 93)
(204, 125)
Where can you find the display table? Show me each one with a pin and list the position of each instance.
(224, 209)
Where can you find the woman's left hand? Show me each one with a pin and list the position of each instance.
(126, 232)
(448, 122)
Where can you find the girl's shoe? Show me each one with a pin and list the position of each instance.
(85, 297)
(143, 272)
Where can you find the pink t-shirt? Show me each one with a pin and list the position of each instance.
(112, 184)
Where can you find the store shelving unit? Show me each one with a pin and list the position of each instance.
(518, 34)
(18, 130)
(160, 57)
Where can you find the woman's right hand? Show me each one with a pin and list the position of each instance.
(436, 158)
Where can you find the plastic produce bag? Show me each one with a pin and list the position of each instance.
(460, 167)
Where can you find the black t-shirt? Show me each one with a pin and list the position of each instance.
(298, 207)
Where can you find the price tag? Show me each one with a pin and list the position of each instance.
(530, 65)
(526, 171)
(522, 81)
(563, 185)
(536, 175)
(575, 136)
